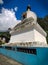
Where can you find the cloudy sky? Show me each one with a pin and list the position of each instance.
(11, 11)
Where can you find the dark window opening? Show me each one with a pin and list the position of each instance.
(0, 46)
(26, 50)
(13, 49)
(24, 15)
(8, 48)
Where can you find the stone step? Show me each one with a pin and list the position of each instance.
(7, 61)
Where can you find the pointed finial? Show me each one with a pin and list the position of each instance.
(28, 7)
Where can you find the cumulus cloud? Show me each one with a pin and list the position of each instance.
(8, 19)
(1, 1)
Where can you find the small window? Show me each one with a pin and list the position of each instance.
(8, 48)
(0, 46)
(24, 15)
(13, 49)
(26, 50)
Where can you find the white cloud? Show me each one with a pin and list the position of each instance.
(7, 19)
(16, 8)
(1, 1)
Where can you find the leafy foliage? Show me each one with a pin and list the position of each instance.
(1, 43)
(6, 35)
(44, 24)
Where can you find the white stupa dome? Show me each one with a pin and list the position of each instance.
(30, 13)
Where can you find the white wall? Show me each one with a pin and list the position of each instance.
(30, 36)
(39, 37)
(23, 37)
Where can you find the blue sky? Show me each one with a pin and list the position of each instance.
(40, 7)
(11, 11)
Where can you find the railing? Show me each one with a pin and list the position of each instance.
(27, 44)
(32, 44)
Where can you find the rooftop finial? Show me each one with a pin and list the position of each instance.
(28, 7)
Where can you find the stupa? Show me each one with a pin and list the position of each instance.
(28, 30)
